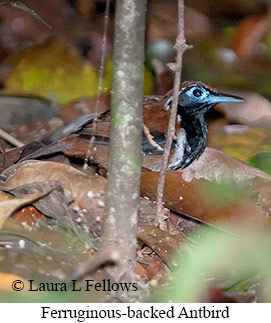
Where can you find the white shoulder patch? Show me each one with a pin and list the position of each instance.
(181, 140)
(168, 103)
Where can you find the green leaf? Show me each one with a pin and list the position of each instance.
(261, 160)
(22, 6)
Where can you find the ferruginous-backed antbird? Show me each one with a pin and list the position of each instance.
(195, 99)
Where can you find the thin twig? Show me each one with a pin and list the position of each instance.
(180, 47)
(15, 142)
(101, 76)
(104, 257)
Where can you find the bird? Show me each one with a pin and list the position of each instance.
(195, 99)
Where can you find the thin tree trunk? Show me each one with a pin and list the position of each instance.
(124, 166)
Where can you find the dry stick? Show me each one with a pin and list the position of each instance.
(15, 142)
(180, 47)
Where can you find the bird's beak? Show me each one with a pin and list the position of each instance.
(222, 97)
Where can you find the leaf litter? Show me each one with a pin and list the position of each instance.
(58, 230)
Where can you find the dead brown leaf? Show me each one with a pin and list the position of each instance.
(9, 204)
(216, 165)
(54, 205)
(84, 194)
(192, 191)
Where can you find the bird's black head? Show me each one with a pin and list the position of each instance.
(198, 98)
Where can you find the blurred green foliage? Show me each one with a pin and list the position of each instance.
(218, 259)
(261, 160)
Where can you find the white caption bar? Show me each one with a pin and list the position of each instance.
(89, 312)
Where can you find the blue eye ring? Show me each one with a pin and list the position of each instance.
(197, 93)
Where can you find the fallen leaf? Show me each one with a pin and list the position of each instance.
(54, 205)
(216, 165)
(86, 192)
(9, 204)
(55, 68)
(81, 147)
(216, 189)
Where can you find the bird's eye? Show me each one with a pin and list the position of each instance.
(197, 93)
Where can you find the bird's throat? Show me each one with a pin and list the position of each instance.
(196, 131)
